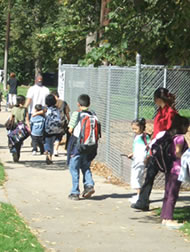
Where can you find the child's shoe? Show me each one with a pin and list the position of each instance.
(48, 160)
(73, 196)
(88, 191)
(56, 153)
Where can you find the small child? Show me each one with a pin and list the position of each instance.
(37, 124)
(140, 150)
(178, 129)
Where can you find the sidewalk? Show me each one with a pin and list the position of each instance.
(103, 223)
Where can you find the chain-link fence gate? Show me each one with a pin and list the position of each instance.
(119, 95)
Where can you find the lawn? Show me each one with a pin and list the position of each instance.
(14, 234)
(2, 175)
(182, 215)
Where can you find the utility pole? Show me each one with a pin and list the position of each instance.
(6, 46)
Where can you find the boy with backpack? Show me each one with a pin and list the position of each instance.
(82, 147)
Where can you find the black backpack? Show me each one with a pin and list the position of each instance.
(161, 153)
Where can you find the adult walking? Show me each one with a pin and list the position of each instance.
(12, 84)
(36, 95)
(162, 122)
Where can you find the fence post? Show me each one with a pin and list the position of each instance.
(165, 77)
(138, 79)
(108, 116)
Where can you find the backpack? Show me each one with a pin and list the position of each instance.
(87, 131)
(19, 134)
(53, 123)
(161, 152)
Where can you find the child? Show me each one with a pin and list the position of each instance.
(37, 124)
(172, 186)
(140, 149)
(20, 114)
(162, 121)
(65, 117)
(52, 129)
(78, 160)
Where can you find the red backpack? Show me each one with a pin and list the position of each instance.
(87, 131)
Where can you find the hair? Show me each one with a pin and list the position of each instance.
(55, 93)
(20, 100)
(165, 95)
(38, 107)
(141, 123)
(12, 75)
(84, 100)
(178, 124)
(50, 100)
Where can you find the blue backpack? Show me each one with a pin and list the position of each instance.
(53, 122)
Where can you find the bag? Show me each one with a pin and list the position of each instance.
(19, 134)
(161, 152)
(10, 123)
(53, 123)
(87, 131)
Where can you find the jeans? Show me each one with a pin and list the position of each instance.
(76, 163)
(38, 141)
(49, 144)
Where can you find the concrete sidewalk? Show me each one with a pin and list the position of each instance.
(103, 223)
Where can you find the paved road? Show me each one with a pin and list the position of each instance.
(103, 223)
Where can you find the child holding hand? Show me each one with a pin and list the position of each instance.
(140, 150)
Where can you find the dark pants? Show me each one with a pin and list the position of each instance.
(38, 141)
(16, 148)
(172, 187)
(146, 189)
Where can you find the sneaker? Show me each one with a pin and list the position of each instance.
(15, 157)
(34, 153)
(48, 161)
(134, 199)
(73, 196)
(88, 191)
(142, 208)
(56, 153)
(173, 225)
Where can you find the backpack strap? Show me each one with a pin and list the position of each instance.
(145, 141)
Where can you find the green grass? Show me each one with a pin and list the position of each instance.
(181, 214)
(2, 174)
(14, 234)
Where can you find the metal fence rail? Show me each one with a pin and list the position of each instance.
(118, 95)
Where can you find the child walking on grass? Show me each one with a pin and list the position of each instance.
(140, 150)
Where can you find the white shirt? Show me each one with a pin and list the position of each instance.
(37, 94)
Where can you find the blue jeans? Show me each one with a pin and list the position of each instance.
(49, 144)
(76, 163)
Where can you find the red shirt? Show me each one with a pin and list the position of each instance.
(163, 119)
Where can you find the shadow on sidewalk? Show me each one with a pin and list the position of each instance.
(113, 196)
(59, 165)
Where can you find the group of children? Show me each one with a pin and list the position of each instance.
(80, 157)
(166, 120)
(39, 124)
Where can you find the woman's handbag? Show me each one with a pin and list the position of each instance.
(10, 123)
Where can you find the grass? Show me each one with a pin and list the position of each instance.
(181, 214)
(2, 175)
(14, 234)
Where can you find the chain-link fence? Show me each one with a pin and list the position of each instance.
(118, 95)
